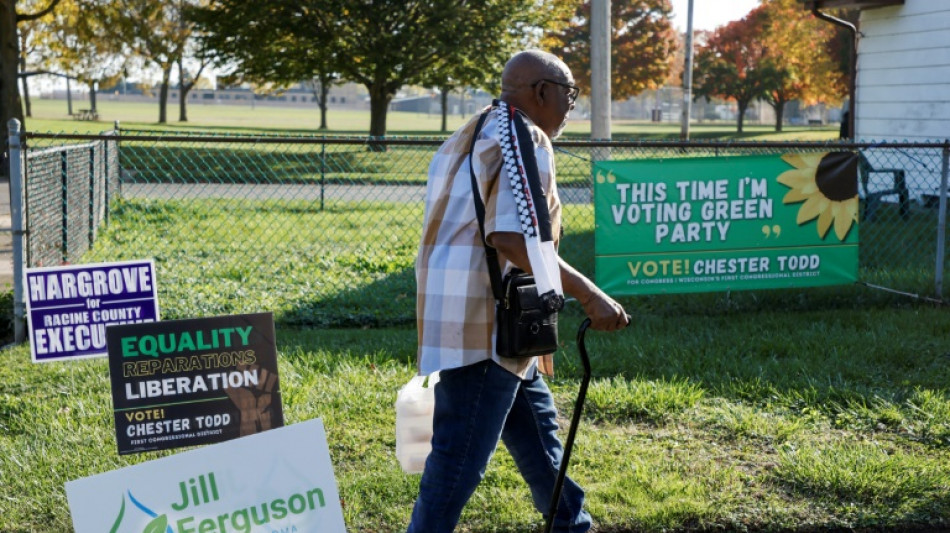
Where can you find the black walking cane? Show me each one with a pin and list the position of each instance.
(575, 421)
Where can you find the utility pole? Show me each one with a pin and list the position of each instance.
(688, 74)
(600, 70)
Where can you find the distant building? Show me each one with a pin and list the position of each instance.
(458, 103)
(344, 96)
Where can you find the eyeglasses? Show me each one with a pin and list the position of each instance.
(572, 90)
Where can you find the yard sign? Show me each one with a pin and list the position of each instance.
(197, 381)
(70, 306)
(278, 480)
(726, 223)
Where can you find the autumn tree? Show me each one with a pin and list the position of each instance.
(802, 68)
(10, 105)
(839, 48)
(734, 63)
(643, 44)
(30, 43)
(391, 43)
(76, 45)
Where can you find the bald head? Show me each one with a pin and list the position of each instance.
(539, 84)
(525, 68)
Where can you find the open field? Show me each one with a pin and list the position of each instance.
(51, 115)
(803, 410)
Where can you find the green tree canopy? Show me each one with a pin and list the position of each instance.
(382, 45)
(158, 32)
(269, 43)
(475, 65)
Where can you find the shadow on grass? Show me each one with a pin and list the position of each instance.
(387, 302)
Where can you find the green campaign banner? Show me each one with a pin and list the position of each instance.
(684, 225)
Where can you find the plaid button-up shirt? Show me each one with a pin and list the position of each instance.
(455, 308)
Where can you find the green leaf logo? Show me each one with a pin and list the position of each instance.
(157, 525)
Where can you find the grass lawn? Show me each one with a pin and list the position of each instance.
(741, 421)
(51, 116)
(775, 410)
(806, 410)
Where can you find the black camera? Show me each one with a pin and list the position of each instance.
(551, 302)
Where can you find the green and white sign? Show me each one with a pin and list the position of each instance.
(278, 480)
(726, 223)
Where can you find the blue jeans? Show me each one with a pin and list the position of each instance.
(474, 406)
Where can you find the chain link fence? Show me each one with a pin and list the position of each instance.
(66, 198)
(324, 230)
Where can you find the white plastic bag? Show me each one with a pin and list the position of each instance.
(415, 404)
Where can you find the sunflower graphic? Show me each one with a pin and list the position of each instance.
(827, 183)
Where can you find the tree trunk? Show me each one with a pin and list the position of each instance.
(183, 105)
(26, 88)
(183, 89)
(9, 93)
(779, 108)
(324, 92)
(445, 108)
(320, 87)
(69, 97)
(163, 96)
(741, 118)
(379, 99)
(92, 96)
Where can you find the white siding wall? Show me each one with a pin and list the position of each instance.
(903, 82)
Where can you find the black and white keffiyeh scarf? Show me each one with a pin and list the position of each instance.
(519, 162)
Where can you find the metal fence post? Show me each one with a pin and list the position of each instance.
(118, 172)
(942, 220)
(323, 170)
(64, 204)
(16, 219)
(104, 216)
(92, 194)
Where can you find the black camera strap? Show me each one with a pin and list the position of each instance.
(491, 254)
